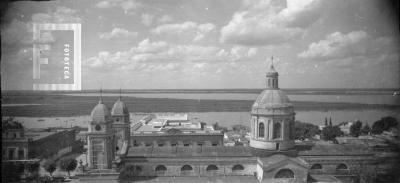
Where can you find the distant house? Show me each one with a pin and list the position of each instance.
(345, 127)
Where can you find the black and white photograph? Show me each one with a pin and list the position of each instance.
(200, 91)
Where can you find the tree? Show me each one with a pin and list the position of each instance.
(355, 129)
(68, 165)
(216, 126)
(331, 132)
(50, 167)
(240, 128)
(384, 124)
(366, 129)
(33, 169)
(127, 172)
(326, 121)
(305, 130)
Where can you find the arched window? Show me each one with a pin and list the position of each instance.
(211, 167)
(161, 168)
(316, 166)
(261, 130)
(284, 173)
(277, 130)
(186, 168)
(237, 168)
(341, 167)
(138, 169)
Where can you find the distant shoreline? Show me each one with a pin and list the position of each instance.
(289, 91)
(64, 105)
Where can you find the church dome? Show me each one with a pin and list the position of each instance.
(272, 99)
(100, 113)
(119, 108)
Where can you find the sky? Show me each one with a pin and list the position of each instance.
(194, 44)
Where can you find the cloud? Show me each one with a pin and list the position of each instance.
(197, 31)
(146, 46)
(147, 19)
(267, 22)
(117, 33)
(127, 5)
(17, 32)
(147, 51)
(165, 19)
(338, 45)
(60, 15)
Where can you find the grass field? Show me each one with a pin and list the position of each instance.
(64, 105)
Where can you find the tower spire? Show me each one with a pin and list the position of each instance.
(120, 93)
(101, 95)
(272, 76)
(272, 62)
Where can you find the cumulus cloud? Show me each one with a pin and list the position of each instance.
(338, 45)
(127, 5)
(118, 33)
(198, 31)
(161, 52)
(266, 22)
(17, 34)
(165, 19)
(147, 19)
(60, 15)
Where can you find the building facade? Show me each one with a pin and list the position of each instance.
(18, 144)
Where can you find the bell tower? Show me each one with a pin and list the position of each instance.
(100, 138)
(121, 124)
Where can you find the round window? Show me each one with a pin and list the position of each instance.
(97, 127)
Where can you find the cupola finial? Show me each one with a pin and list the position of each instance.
(120, 93)
(272, 62)
(101, 95)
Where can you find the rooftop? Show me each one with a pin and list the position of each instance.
(337, 150)
(38, 135)
(9, 124)
(167, 121)
(199, 151)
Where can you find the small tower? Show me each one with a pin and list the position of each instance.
(100, 138)
(272, 77)
(121, 124)
(272, 117)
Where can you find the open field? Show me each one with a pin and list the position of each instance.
(51, 104)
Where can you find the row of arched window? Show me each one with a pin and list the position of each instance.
(276, 133)
(185, 168)
(341, 166)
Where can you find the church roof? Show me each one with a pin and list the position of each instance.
(277, 160)
(337, 150)
(272, 99)
(119, 108)
(100, 113)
